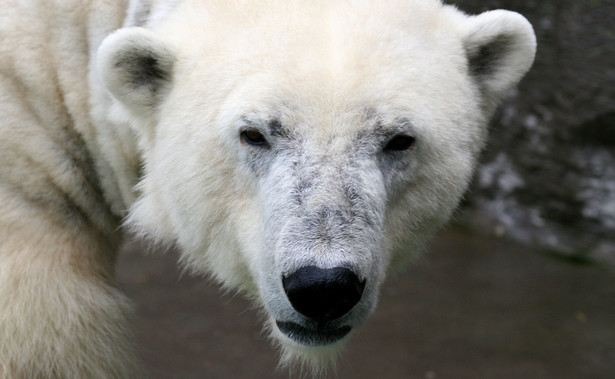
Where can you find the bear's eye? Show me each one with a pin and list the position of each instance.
(254, 137)
(400, 142)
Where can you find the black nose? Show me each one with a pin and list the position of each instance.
(323, 294)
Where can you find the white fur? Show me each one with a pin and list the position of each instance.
(158, 108)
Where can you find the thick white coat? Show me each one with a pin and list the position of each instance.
(144, 124)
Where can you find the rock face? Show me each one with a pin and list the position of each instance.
(548, 174)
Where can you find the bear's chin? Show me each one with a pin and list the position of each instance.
(310, 353)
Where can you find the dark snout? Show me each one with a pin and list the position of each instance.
(323, 294)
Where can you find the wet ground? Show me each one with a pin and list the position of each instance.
(474, 307)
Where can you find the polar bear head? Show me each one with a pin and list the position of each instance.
(300, 151)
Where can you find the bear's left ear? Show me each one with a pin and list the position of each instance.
(136, 68)
(500, 46)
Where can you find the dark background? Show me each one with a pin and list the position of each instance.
(548, 175)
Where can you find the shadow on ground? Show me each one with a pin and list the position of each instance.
(474, 307)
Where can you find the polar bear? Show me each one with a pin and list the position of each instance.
(296, 151)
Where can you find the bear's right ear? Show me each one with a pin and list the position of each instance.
(136, 68)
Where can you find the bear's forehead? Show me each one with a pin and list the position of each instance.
(305, 36)
(326, 63)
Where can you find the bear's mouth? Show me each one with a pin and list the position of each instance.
(312, 337)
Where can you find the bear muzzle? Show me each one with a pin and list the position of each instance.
(322, 296)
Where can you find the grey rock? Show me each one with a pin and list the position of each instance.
(548, 174)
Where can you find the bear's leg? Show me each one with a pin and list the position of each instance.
(60, 314)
